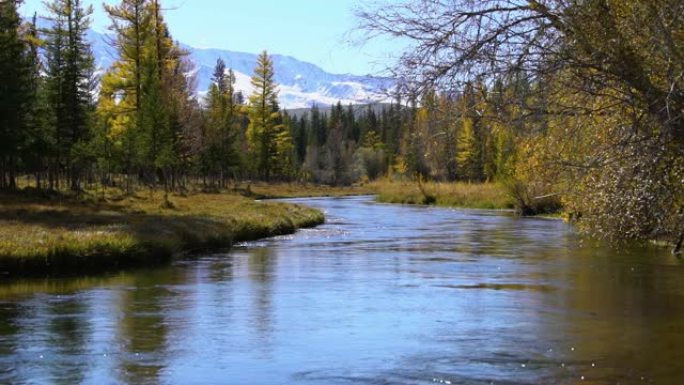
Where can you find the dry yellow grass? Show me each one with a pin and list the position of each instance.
(465, 195)
(299, 190)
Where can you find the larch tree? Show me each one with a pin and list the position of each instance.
(145, 98)
(121, 91)
(157, 136)
(265, 131)
(469, 152)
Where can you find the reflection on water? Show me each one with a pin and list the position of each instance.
(143, 328)
(261, 269)
(381, 294)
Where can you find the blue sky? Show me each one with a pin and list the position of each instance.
(317, 31)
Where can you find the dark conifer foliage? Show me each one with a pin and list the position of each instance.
(15, 91)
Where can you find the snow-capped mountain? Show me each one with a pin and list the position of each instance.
(301, 84)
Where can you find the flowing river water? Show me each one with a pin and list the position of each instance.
(381, 294)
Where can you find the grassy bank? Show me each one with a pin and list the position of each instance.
(55, 234)
(262, 190)
(465, 195)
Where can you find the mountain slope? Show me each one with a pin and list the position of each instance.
(301, 84)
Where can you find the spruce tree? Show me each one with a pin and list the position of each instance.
(39, 138)
(71, 79)
(300, 138)
(15, 92)
(220, 152)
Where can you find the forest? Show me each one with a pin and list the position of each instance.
(565, 105)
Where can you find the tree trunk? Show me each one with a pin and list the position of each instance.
(75, 182)
(678, 246)
(12, 175)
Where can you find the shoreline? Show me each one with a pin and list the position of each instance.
(456, 195)
(42, 237)
(487, 196)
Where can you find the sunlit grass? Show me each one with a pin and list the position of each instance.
(62, 234)
(465, 195)
(297, 190)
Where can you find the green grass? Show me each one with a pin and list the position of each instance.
(463, 195)
(55, 234)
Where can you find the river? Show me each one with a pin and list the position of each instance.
(380, 294)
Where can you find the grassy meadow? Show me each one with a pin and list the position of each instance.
(463, 195)
(43, 233)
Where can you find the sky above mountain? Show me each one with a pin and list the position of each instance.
(316, 31)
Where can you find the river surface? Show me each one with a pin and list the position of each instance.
(381, 294)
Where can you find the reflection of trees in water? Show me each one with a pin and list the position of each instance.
(514, 237)
(55, 332)
(69, 329)
(220, 293)
(144, 331)
(10, 330)
(10, 313)
(221, 270)
(619, 311)
(261, 271)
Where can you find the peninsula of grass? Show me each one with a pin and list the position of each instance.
(53, 234)
(459, 195)
(261, 190)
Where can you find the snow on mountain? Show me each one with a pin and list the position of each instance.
(301, 84)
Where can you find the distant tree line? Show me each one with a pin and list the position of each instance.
(462, 136)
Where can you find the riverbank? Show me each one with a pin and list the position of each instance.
(462, 195)
(54, 234)
(262, 190)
